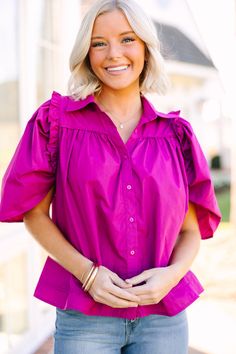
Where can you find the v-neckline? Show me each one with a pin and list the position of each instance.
(115, 128)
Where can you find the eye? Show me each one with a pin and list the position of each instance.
(128, 39)
(97, 44)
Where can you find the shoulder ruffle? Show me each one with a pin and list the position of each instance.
(53, 117)
(47, 118)
(201, 189)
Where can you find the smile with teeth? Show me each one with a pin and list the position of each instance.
(118, 68)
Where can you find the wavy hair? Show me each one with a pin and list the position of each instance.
(84, 82)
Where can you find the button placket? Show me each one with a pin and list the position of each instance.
(130, 202)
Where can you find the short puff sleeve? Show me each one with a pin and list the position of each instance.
(200, 186)
(31, 172)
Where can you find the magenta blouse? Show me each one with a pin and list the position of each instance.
(119, 204)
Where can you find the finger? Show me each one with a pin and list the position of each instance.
(147, 299)
(124, 294)
(120, 282)
(149, 302)
(138, 279)
(114, 301)
(139, 290)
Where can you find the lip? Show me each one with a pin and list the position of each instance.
(116, 66)
(117, 72)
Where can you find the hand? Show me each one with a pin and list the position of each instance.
(109, 289)
(158, 282)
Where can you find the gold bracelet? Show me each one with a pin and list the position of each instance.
(88, 276)
(91, 279)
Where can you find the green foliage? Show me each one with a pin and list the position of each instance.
(223, 198)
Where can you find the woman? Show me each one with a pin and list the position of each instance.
(130, 190)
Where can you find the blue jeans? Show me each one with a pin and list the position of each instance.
(77, 333)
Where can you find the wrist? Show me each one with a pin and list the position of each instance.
(83, 269)
(90, 277)
(178, 272)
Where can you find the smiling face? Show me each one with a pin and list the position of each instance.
(116, 53)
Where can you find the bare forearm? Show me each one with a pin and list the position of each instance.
(107, 288)
(52, 240)
(185, 252)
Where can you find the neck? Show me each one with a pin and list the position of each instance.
(123, 105)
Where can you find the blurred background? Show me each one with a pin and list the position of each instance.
(199, 45)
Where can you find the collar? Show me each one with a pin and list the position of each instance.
(149, 111)
(73, 105)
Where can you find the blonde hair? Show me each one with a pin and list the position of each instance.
(84, 82)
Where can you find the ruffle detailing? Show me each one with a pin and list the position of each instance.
(53, 119)
(201, 189)
(184, 133)
(186, 139)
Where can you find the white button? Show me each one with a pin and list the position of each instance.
(132, 252)
(129, 186)
(131, 219)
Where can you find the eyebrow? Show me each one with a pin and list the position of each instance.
(121, 34)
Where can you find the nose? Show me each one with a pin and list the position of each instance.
(114, 51)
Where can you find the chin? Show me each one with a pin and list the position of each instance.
(121, 86)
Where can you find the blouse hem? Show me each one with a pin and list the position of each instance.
(178, 299)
